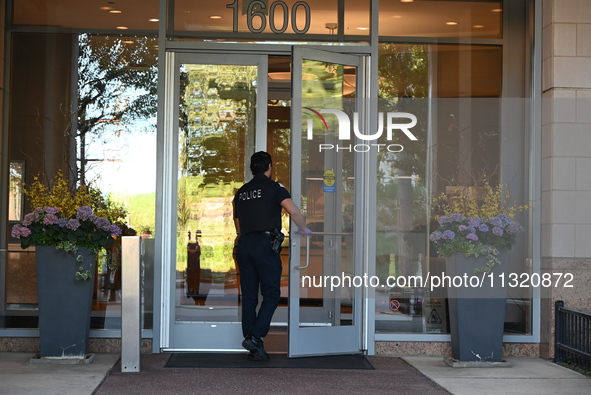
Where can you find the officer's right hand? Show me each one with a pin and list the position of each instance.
(305, 232)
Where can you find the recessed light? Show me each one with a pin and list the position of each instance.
(105, 8)
(363, 28)
(215, 17)
(451, 23)
(496, 10)
(127, 42)
(407, 1)
(478, 26)
(154, 20)
(114, 11)
(122, 27)
(396, 16)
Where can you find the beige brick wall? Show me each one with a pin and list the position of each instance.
(566, 157)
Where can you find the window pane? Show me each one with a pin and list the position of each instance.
(477, 19)
(104, 137)
(464, 137)
(129, 14)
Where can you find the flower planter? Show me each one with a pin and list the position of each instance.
(65, 303)
(476, 313)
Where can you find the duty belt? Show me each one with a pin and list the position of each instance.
(262, 232)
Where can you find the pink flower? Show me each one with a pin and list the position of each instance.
(50, 219)
(30, 218)
(19, 231)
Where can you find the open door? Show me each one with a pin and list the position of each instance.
(325, 307)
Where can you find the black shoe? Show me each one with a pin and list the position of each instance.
(256, 348)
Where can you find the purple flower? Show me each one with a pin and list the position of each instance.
(102, 223)
(444, 220)
(51, 210)
(435, 236)
(448, 234)
(514, 228)
(456, 217)
(474, 223)
(483, 228)
(50, 219)
(115, 230)
(73, 224)
(462, 228)
(472, 236)
(62, 222)
(497, 231)
(496, 221)
(84, 213)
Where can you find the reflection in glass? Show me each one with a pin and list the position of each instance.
(104, 138)
(328, 186)
(15, 190)
(449, 18)
(216, 124)
(459, 144)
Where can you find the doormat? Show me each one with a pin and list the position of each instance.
(232, 360)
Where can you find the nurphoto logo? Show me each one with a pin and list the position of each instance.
(393, 121)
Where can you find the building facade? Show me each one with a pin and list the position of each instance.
(369, 109)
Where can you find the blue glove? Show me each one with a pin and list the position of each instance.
(305, 232)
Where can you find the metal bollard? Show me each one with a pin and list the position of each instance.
(131, 247)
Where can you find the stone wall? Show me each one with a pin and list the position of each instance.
(566, 158)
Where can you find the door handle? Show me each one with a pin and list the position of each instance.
(308, 244)
(307, 254)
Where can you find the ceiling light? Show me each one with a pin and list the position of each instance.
(105, 8)
(496, 10)
(396, 16)
(114, 11)
(215, 17)
(478, 26)
(363, 28)
(128, 42)
(407, 1)
(122, 27)
(154, 20)
(451, 23)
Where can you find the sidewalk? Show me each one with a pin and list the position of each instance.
(526, 376)
(391, 375)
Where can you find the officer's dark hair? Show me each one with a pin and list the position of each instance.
(259, 162)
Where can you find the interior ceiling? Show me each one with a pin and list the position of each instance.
(397, 18)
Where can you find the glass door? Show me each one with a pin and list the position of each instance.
(325, 268)
(218, 107)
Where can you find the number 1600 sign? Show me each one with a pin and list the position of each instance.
(255, 16)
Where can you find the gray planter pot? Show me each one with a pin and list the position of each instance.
(65, 304)
(476, 313)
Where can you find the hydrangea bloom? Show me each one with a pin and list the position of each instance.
(475, 236)
(46, 227)
(84, 213)
(497, 231)
(50, 219)
(102, 223)
(73, 224)
(448, 234)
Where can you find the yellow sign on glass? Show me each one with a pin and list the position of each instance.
(329, 181)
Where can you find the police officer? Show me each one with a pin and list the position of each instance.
(257, 212)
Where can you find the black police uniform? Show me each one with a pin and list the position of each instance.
(257, 205)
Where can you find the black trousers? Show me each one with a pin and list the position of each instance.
(259, 267)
